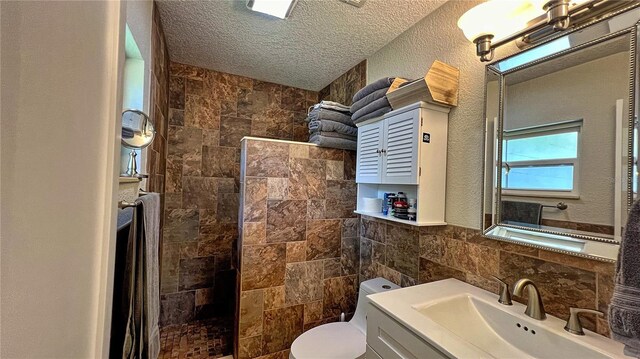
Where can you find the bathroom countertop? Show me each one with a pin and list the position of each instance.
(399, 304)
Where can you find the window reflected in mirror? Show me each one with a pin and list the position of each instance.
(541, 160)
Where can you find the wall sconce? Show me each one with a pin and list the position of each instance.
(498, 22)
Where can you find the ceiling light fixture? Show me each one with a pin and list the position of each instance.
(278, 8)
(498, 22)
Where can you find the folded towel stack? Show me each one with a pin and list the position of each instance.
(371, 101)
(330, 125)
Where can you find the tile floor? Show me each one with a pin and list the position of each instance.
(212, 338)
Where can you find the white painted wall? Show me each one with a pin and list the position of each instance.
(135, 93)
(134, 87)
(491, 118)
(589, 92)
(437, 37)
(140, 20)
(60, 69)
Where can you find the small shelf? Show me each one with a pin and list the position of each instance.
(394, 219)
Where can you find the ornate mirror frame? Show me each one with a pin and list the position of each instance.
(567, 242)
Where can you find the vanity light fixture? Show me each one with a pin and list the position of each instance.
(498, 22)
(278, 8)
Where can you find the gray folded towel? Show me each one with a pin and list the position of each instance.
(369, 99)
(320, 114)
(333, 142)
(373, 87)
(372, 107)
(373, 114)
(332, 126)
(330, 105)
(624, 309)
(333, 134)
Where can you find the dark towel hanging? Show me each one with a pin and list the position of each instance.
(521, 212)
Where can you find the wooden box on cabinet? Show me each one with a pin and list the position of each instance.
(439, 86)
(405, 150)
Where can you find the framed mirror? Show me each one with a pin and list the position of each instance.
(561, 140)
(137, 133)
(137, 129)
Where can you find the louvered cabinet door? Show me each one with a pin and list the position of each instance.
(369, 164)
(400, 159)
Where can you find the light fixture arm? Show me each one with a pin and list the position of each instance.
(484, 50)
(558, 18)
(558, 14)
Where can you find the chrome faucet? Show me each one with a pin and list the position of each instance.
(573, 323)
(535, 308)
(505, 295)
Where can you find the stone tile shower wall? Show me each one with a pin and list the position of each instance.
(344, 87)
(209, 112)
(410, 255)
(299, 250)
(159, 107)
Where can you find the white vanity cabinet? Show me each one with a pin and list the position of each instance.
(388, 339)
(405, 150)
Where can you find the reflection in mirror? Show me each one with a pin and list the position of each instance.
(636, 178)
(491, 148)
(536, 53)
(558, 169)
(574, 39)
(635, 158)
(137, 133)
(559, 139)
(137, 129)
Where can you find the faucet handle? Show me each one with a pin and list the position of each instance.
(505, 294)
(573, 323)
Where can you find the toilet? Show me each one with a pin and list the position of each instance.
(342, 340)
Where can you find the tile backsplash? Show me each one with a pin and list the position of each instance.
(299, 250)
(411, 255)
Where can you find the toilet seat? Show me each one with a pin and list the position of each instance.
(334, 340)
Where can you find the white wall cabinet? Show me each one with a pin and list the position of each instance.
(405, 150)
(370, 144)
(388, 150)
(400, 156)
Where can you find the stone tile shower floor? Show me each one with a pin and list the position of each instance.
(212, 338)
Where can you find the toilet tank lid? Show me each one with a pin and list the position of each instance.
(377, 285)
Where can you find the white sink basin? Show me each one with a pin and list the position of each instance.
(464, 321)
(500, 333)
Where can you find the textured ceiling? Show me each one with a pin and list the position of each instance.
(320, 41)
